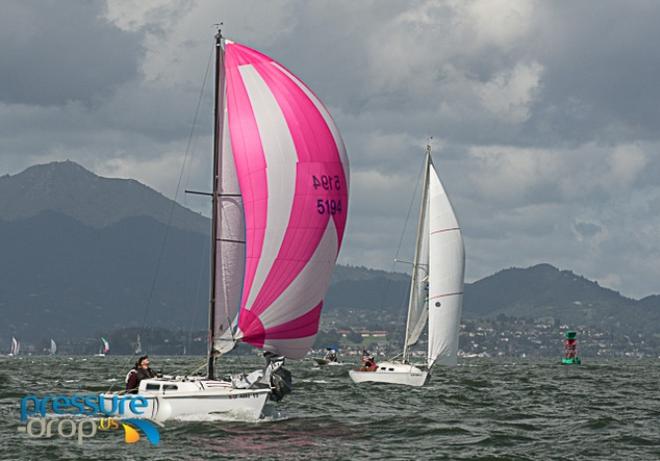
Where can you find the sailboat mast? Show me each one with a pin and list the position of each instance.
(415, 271)
(217, 152)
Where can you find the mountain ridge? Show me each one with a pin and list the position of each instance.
(64, 271)
(94, 200)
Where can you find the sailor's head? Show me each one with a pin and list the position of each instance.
(143, 362)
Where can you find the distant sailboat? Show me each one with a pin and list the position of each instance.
(436, 291)
(279, 205)
(15, 347)
(138, 346)
(53, 347)
(105, 348)
(330, 358)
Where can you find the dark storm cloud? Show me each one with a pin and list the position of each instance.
(544, 114)
(601, 65)
(587, 229)
(58, 51)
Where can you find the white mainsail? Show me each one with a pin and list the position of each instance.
(230, 247)
(53, 347)
(446, 273)
(418, 303)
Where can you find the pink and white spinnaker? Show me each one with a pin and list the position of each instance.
(282, 150)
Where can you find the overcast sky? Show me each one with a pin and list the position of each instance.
(545, 115)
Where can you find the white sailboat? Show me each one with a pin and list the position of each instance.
(436, 291)
(280, 197)
(15, 347)
(104, 349)
(138, 346)
(53, 347)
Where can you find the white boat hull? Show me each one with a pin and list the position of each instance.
(197, 399)
(392, 373)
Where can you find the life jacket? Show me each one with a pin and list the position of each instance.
(130, 372)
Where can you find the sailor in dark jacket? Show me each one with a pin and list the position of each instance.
(139, 372)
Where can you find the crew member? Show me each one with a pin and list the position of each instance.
(139, 372)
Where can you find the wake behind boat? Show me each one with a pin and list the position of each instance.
(436, 291)
(279, 204)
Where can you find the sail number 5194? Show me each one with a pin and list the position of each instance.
(328, 183)
(328, 206)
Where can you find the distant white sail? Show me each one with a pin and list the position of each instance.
(138, 345)
(15, 346)
(446, 273)
(53, 347)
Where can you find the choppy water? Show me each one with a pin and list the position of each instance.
(480, 410)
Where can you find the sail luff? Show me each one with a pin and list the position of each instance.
(417, 313)
(446, 275)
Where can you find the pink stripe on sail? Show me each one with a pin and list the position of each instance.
(252, 328)
(305, 325)
(299, 109)
(254, 332)
(250, 163)
(318, 157)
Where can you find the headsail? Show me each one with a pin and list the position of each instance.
(446, 272)
(53, 347)
(292, 171)
(419, 291)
